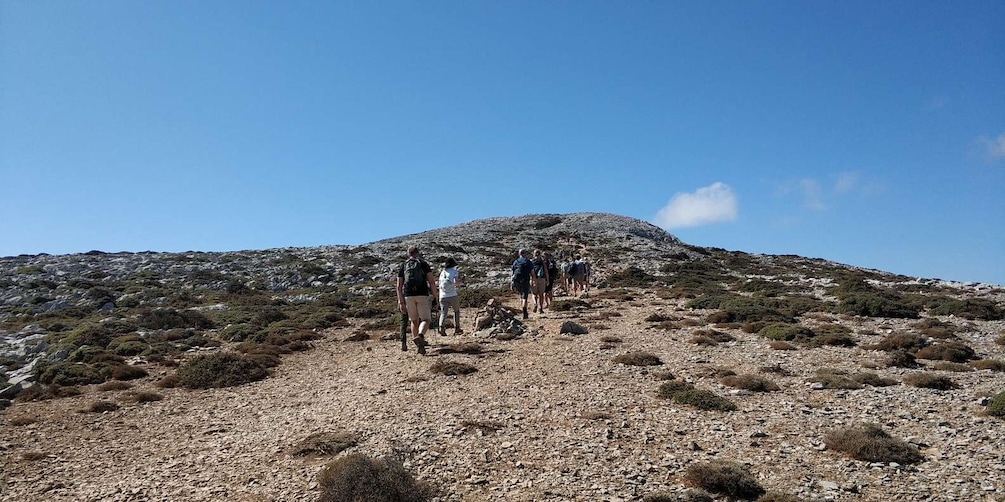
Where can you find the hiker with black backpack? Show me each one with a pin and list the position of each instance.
(539, 280)
(415, 287)
(521, 280)
(553, 275)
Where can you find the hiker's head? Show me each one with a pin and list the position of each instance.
(450, 263)
(525, 253)
(413, 252)
(537, 253)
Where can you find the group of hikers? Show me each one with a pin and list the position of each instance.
(534, 275)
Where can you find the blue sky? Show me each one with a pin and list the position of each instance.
(869, 133)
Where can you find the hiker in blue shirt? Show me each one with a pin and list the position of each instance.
(522, 269)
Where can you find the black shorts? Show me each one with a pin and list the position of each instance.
(522, 287)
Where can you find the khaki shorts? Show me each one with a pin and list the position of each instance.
(418, 307)
(539, 287)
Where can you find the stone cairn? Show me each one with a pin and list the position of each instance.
(494, 320)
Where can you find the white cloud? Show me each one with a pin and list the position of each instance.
(715, 203)
(845, 182)
(993, 148)
(811, 194)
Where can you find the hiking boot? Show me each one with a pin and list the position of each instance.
(420, 342)
(525, 313)
(458, 332)
(442, 330)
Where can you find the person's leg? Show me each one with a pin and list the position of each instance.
(404, 331)
(457, 315)
(425, 313)
(444, 302)
(415, 312)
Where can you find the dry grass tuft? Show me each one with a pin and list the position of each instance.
(956, 352)
(663, 375)
(901, 359)
(685, 496)
(753, 383)
(222, 369)
(870, 443)
(900, 341)
(638, 359)
(168, 382)
(33, 456)
(22, 420)
(485, 426)
(835, 379)
(610, 339)
(953, 367)
(356, 477)
(873, 380)
(778, 345)
(100, 407)
(671, 387)
(114, 385)
(930, 381)
(452, 368)
(989, 364)
(597, 415)
(324, 443)
(417, 378)
(723, 477)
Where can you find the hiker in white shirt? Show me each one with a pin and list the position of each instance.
(450, 279)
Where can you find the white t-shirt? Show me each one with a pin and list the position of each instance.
(447, 278)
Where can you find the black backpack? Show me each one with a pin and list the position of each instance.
(552, 269)
(415, 278)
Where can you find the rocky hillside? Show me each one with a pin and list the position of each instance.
(562, 406)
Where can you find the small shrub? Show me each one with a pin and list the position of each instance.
(360, 478)
(870, 443)
(786, 332)
(661, 317)
(114, 385)
(168, 382)
(631, 277)
(485, 426)
(956, 352)
(901, 359)
(663, 375)
(777, 345)
(68, 374)
(753, 383)
(727, 478)
(989, 364)
(452, 368)
(776, 369)
(950, 366)
(223, 369)
(127, 372)
(673, 386)
(44, 392)
(146, 397)
(835, 379)
(638, 359)
(22, 420)
(876, 305)
(900, 341)
(704, 400)
(1001, 339)
(718, 336)
(833, 340)
(610, 339)
(568, 305)
(101, 407)
(703, 340)
(930, 381)
(324, 443)
(996, 407)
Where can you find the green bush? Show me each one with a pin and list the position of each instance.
(669, 388)
(875, 305)
(908, 342)
(68, 374)
(971, 308)
(727, 478)
(873, 380)
(171, 318)
(753, 383)
(996, 407)
(704, 400)
(128, 345)
(870, 443)
(835, 379)
(632, 277)
(358, 478)
(242, 332)
(223, 369)
(787, 332)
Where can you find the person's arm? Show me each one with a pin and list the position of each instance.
(433, 292)
(400, 286)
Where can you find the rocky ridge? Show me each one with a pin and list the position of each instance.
(547, 416)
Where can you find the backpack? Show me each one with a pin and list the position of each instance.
(552, 269)
(539, 271)
(573, 268)
(415, 278)
(522, 270)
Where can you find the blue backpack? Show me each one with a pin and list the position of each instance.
(522, 269)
